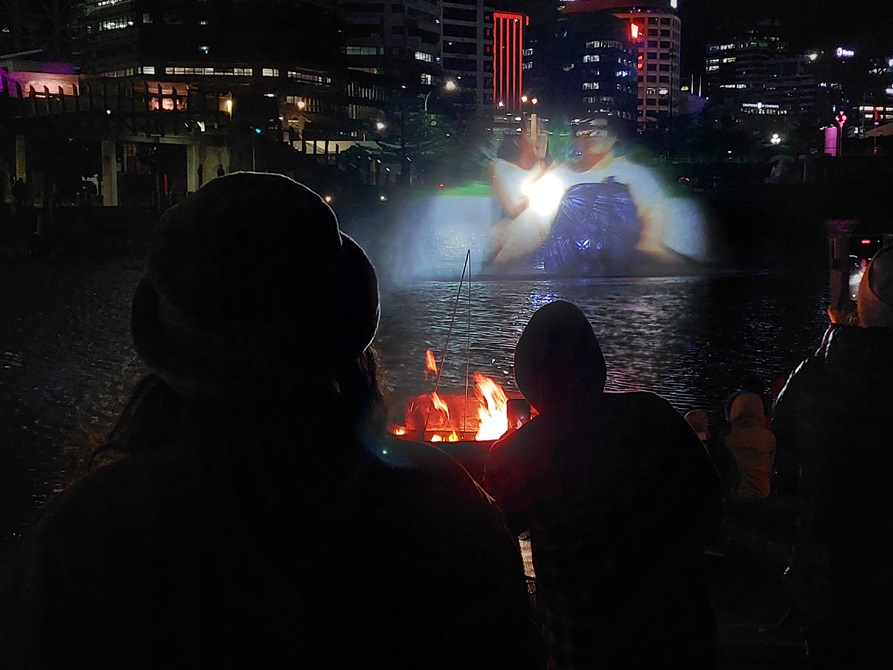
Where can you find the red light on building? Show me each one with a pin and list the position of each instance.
(634, 31)
(508, 44)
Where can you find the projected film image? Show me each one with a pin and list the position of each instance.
(581, 209)
(598, 213)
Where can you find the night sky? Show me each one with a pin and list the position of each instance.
(805, 23)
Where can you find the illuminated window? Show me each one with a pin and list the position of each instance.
(269, 72)
(590, 85)
(148, 69)
(591, 58)
(425, 57)
(115, 24)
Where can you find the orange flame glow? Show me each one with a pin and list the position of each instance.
(430, 363)
(437, 403)
(493, 410)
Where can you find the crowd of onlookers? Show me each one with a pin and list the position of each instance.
(251, 510)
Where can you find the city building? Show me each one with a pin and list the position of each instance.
(583, 65)
(468, 52)
(656, 30)
(508, 60)
(740, 64)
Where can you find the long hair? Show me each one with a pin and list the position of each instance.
(353, 402)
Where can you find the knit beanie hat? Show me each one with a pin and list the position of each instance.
(874, 299)
(558, 356)
(251, 290)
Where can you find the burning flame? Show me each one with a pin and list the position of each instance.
(437, 403)
(430, 363)
(493, 410)
(490, 402)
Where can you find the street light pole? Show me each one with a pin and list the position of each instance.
(449, 86)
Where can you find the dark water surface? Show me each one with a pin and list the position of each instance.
(66, 362)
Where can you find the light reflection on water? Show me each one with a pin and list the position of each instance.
(691, 339)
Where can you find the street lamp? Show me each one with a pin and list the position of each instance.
(449, 86)
(775, 139)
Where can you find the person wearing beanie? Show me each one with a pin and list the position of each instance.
(256, 514)
(833, 414)
(620, 499)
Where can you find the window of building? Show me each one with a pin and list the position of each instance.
(590, 85)
(363, 51)
(115, 24)
(269, 72)
(425, 57)
(591, 58)
(147, 69)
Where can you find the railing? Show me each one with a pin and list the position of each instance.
(135, 106)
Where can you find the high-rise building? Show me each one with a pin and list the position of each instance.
(740, 63)
(583, 64)
(468, 51)
(508, 64)
(657, 30)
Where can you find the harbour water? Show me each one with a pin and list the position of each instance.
(66, 362)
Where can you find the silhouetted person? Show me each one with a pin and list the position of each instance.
(20, 196)
(722, 459)
(620, 499)
(258, 514)
(834, 414)
(220, 170)
(753, 446)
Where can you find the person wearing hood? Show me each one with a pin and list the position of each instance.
(834, 414)
(753, 446)
(256, 513)
(620, 499)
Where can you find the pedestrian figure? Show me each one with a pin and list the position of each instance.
(834, 415)
(752, 444)
(220, 170)
(20, 196)
(620, 499)
(258, 514)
